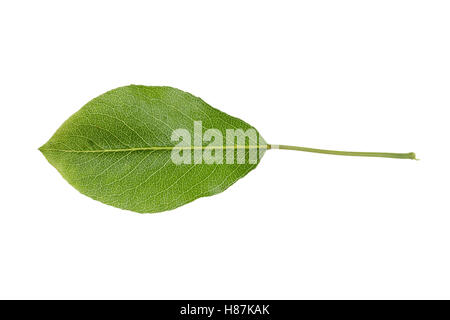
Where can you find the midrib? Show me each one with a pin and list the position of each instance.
(158, 148)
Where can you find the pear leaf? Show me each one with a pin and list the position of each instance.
(151, 149)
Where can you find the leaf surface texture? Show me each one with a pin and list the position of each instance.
(117, 149)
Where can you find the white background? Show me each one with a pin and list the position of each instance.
(349, 75)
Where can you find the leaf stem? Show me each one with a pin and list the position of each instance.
(409, 155)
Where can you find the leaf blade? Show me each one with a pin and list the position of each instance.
(116, 149)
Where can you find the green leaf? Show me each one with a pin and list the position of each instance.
(119, 149)
(152, 149)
